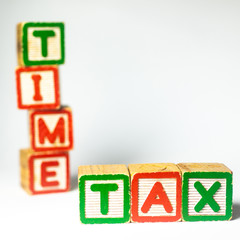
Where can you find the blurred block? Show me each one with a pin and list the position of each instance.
(44, 172)
(51, 130)
(155, 192)
(104, 194)
(40, 43)
(207, 191)
(38, 87)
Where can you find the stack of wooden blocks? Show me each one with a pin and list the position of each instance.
(45, 166)
(163, 192)
(158, 192)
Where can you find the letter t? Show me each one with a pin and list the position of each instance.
(44, 35)
(104, 189)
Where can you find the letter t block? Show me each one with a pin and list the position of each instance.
(104, 194)
(207, 192)
(40, 43)
(155, 192)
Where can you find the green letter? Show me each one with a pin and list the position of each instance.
(44, 34)
(207, 196)
(104, 188)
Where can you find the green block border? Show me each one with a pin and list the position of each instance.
(126, 206)
(28, 62)
(216, 175)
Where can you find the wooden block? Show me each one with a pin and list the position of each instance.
(155, 192)
(206, 191)
(40, 43)
(38, 87)
(51, 130)
(44, 172)
(104, 194)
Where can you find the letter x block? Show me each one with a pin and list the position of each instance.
(207, 192)
(40, 43)
(44, 172)
(51, 130)
(155, 192)
(37, 87)
(104, 194)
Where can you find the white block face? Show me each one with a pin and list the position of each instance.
(35, 44)
(194, 197)
(51, 121)
(47, 88)
(145, 186)
(93, 204)
(60, 170)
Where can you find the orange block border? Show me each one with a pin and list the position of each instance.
(134, 197)
(56, 87)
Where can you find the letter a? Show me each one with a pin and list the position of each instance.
(157, 196)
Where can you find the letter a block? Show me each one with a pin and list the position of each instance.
(155, 192)
(207, 192)
(37, 87)
(51, 130)
(40, 43)
(44, 172)
(104, 194)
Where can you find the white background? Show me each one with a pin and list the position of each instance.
(148, 81)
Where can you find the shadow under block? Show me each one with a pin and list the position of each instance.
(155, 192)
(44, 172)
(40, 43)
(206, 191)
(51, 130)
(104, 194)
(38, 87)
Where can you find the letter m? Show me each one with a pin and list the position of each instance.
(58, 132)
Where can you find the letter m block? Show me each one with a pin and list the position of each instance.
(44, 172)
(155, 192)
(104, 194)
(51, 130)
(207, 192)
(40, 43)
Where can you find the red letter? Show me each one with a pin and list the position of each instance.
(36, 79)
(58, 131)
(157, 196)
(45, 174)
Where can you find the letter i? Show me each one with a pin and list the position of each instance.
(36, 81)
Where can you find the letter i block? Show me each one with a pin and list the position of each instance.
(207, 192)
(37, 87)
(40, 43)
(44, 172)
(155, 192)
(104, 194)
(51, 130)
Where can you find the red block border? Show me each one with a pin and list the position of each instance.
(134, 196)
(32, 132)
(31, 179)
(56, 87)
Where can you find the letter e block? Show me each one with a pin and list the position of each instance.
(44, 172)
(155, 192)
(38, 87)
(40, 43)
(104, 194)
(51, 130)
(207, 191)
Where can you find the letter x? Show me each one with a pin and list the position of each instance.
(207, 196)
